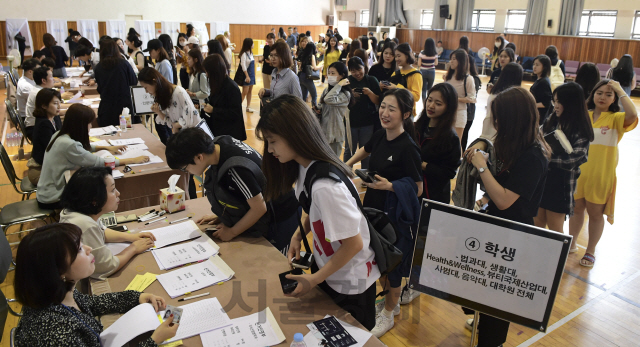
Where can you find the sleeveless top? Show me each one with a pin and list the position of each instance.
(427, 63)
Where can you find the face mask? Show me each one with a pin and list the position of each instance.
(182, 43)
(497, 44)
(332, 80)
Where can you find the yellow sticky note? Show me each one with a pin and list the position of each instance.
(173, 344)
(141, 282)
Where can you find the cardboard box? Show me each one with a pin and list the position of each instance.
(172, 202)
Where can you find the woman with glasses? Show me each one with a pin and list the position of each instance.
(283, 80)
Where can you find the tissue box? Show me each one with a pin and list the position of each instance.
(172, 202)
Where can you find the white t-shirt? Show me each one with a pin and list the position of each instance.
(29, 119)
(334, 216)
(22, 94)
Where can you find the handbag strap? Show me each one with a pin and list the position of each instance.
(304, 236)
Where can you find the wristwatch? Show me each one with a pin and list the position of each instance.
(482, 169)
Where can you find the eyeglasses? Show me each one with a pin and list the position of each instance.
(184, 169)
(271, 56)
(127, 168)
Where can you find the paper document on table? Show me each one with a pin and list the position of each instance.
(95, 106)
(153, 159)
(137, 321)
(103, 131)
(175, 233)
(75, 99)
(140, 146)
(200, 317)
(116, 174)
(122, 142)
(361, 336)
(101, 143)
(258, 329)
(195, 277)
(197, 250)
(141, 282)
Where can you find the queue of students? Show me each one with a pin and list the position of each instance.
(533, 184)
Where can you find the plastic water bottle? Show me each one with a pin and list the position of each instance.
(62, 90)
(10, 141)
(298, 341)
(123, 123)
(18, 139)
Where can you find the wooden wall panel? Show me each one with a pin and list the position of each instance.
(102, 29)
(259, 32)
(72, 25)
(38, 29)
(355, 32)
(3, 39)
(183, 28)
(158, 25)
(596, 50)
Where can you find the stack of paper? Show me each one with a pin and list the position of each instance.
(123, 142)
(314, 337)
(175, 233)
(195, 277)
(258, 329)
(200, 317)
(116, 174)
(185, 253)
(153, 159)
(103, 131)
(141, 282)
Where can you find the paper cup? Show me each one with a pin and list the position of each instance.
(110, 161)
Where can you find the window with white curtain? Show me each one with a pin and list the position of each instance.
(483, 20)
(598, 23)
(426, 18)
(364, 18)
(635, 34)
(515, 21)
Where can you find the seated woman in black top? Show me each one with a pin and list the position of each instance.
(523, 156)
(50, 261)
(57, 53)
(439, 143)
(114, 76)
(48, 121)
(541, 88)
(505, 57)
(223, 109)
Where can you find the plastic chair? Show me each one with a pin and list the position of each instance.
(527, 64)
(26, 187)
(571, 67)
(17, 121)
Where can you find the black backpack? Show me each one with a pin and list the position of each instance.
(383, 233)
(229, 208)
(401, 79)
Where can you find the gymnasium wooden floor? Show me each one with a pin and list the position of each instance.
(594, 307)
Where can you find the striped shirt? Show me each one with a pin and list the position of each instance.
(284, 82)
(427, 63)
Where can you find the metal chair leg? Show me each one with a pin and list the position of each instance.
(11, 310)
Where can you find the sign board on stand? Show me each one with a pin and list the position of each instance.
(492, 265)
(141, 100)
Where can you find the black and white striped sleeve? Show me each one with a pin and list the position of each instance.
(244, 182)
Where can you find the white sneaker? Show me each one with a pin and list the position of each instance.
(469, 324)
(380, 306)
(383, 324)
(408, 295)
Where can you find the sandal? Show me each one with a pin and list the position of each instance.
(588, 257)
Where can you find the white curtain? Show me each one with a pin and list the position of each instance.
(373, 12)
(464, 11)
(438, 23)
(147, 31)
(536, 16)
(13, 27)
(171, 29)
(393, 13)
(88, 28)
(58, 28)
(218, 28)
(201, 31)
(117, 28)
(570, 14)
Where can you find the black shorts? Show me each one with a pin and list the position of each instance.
(557, 196)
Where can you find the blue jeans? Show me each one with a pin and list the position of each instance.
(359, 136)
(307, 86)
(428, 76)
